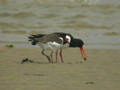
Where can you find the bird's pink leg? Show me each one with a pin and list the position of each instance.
(61, 55)
(56, 55)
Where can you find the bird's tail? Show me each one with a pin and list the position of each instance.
(33, 38)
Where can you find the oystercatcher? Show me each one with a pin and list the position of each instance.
(78, 43)
(65, 37)
(53, 42)
(74, 43)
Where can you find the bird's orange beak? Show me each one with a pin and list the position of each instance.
(83, 53)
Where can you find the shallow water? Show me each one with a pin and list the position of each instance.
(95, 21)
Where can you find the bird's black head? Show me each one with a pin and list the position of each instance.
(76, 43)
(79, 44)
(65, 36)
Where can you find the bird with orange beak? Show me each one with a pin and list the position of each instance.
(78, 43)
(66, 38)
(73, 43)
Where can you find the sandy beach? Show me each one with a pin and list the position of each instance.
(99, 72)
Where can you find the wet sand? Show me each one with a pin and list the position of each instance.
(99, 72)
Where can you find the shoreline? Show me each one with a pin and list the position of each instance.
(99, 47)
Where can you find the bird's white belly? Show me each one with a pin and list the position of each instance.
(50, 45)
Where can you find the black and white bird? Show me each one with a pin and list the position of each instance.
(66, 40)
(74, 43)
(53, 42)
(78, 43)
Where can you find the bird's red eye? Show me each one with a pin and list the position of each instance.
(66, 40)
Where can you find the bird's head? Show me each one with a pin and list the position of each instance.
(79, 44)
(67, 39)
